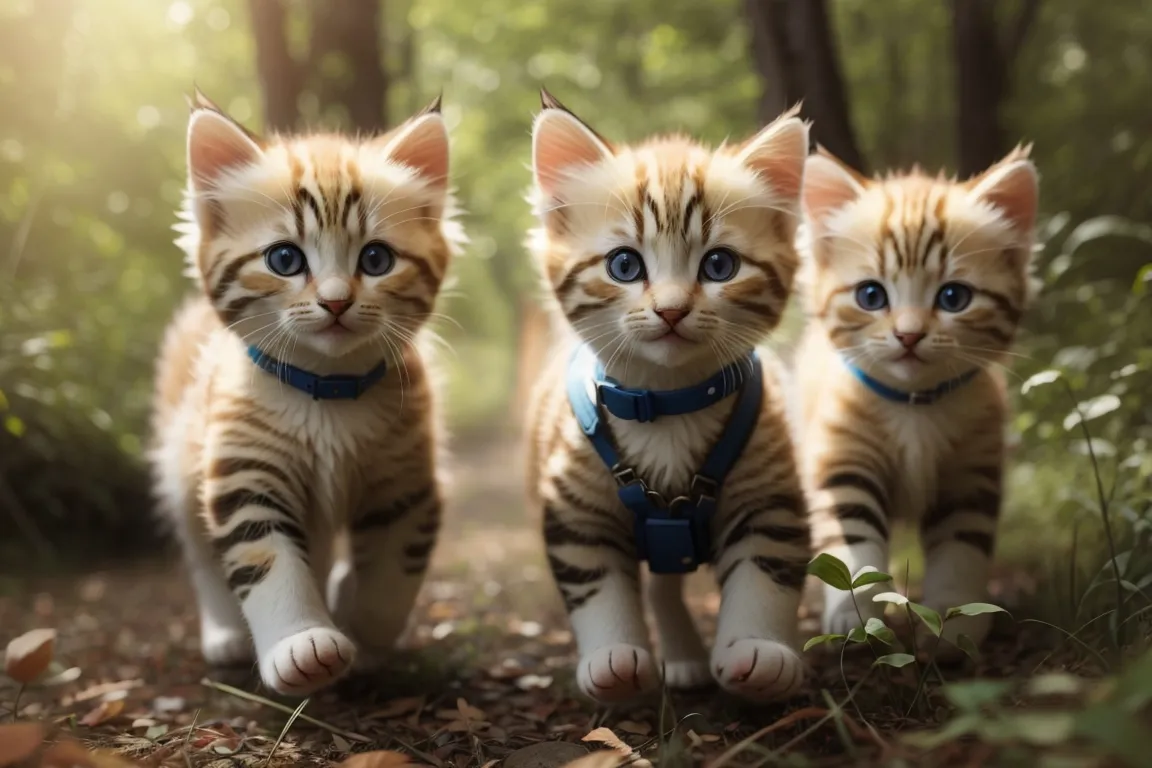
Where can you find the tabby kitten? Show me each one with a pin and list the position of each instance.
(915, 289)
(319, 257)
(670, 261)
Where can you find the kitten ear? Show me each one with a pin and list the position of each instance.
(777, 153)
(422, 145)
(829, 185)
(216, 144)
(1012, 187)
(561, 142)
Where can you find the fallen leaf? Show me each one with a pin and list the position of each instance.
(397, 707)
(18, 741)
(103, 713)
(103, 689)
(545, 754)
(29, 655)
(608, 738)
(635, 728)
(382, 758)
(533, 682)
(468, 711)
(341, 744)
(601, 759)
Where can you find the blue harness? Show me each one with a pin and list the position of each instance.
(673, 536)
(319, 387)
(917, 397)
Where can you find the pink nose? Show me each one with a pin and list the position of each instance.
(909, 340)
(672, 316)
(335, 306)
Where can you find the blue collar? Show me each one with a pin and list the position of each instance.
(646, 405)
(918, 397)
(319, 387)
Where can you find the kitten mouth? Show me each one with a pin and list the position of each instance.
(335, 328)
(910, 357)
(672, 337)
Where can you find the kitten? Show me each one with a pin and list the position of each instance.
(316, 256)
(670, 261)
(915, 289)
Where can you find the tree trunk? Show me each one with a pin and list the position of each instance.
(279, 74)
(794, 50)
(358, 84)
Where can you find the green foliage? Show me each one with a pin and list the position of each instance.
(831, 570)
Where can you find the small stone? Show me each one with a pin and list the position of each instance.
(546, 754)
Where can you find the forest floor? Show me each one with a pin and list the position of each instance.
(486, 676)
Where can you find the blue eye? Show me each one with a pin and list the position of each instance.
(870, 295)
(285, 259)
(719, 265)
(626, 265)
(377, 259)
(954, 297)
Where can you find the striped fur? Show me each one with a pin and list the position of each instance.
(867, 461)
(673, 200)
(275, 495)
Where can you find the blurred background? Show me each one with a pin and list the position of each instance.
(92, 94)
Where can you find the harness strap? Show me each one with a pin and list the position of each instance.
(319, 387)
(645, 405)
(673, 536)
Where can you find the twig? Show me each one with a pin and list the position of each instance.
(188, 738)
(286, 710)
(284, 731)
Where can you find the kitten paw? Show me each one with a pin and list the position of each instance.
(687, 675)
(758, 670)
(307, 661)
(616, 673)
(226, 646)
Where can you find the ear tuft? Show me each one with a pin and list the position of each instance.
(216, 145)
(422, 145)
(1012, 187)
(561, 143)
(548, 101)
(829, 185)
(777, 153)
(434, 108)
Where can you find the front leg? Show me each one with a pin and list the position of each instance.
(958, 536)
(392, 542)
(761, 564)
(255, 507)
(593, 559)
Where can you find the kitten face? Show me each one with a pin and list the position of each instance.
(919, 279)
(330, 243)
(668, 252)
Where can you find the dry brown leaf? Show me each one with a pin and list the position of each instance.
(635, 728)
(601, 759)
(381, 758)
(607, 737)
(18, 741)
(29, 655)
(103, 713)
(397, 707)
(468, 711)
(69, 754)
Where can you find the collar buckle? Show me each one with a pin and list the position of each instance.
(632, 404)
(338, 388)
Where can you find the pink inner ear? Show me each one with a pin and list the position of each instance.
(424, 148)
(827, 187)
(778, 154)
(1014, 194)
(561, 143)
(215, 146)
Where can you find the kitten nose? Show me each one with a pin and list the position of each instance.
(909, 340)
(672, 315)
(334, 306)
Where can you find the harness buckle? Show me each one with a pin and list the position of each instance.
(704, 488)
(625, 476)
(627, 404)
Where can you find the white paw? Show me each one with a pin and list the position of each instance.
(616, 673)
(307, 661)
(686, 675)
(758, 670)
(841, 615)
(226, 646)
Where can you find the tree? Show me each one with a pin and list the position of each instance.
(984, 59)
(794, 51)
(344, 66)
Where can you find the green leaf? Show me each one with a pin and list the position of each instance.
(857, 635)
(156, 731)
(973, 609)
(895, 660)
(1045, 729)
(1054, 684)
(930, 618)
(1039, 379)
(821, 640)
(971, 695)
(964, 643)
(879, 630)
(890, 597)
(832, 571)
(1091, 409)
(961, 726)
(869, 575)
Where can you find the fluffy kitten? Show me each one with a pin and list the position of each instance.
(915, 289)
(324, 253)
(670, 260)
